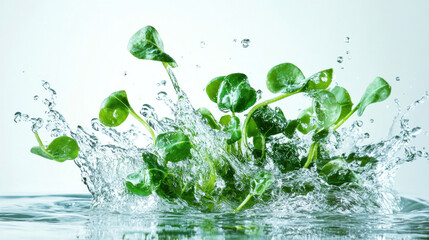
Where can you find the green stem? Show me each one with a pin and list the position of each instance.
(243, 203)
(42, 147)
(264, 103)
(346, 117)
(145, 124)
(172, 78)
(311, 154)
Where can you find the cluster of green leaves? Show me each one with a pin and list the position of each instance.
(233, 94)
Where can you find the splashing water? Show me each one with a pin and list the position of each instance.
(107, 156)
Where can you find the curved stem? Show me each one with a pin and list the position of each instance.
(264, 103)
(243, 203)
(42, 147)
(311, 154)
(145, 124)
(346, 117)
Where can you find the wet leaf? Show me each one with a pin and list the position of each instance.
(252, 129)
(270, 121)
(224, 120)
(377, 91)
(326, 108)
(320, 80)
(208, 116)
(261, 183)
(60, 149)
(344, 99)
(336, 172)
(285, 78)
(286, 156)
(173, 146)
(235, 94)
(305, 121)
(212, 88)
(147, 44)
(291, 127)
(140, 183)
(115, 109)
(234, 129)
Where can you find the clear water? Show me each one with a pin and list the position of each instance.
(71, 217)
(369, 210)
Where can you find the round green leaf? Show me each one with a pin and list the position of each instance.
(377, 91)
(173, 146)
(344, 99)
(208, 116)
(270, 121)
(234, 129)
(252, 129)
(115, 109)
(147, 44)
(285, 78)
(60, 149)
(260, 183)
(305, 121)
(326, 108)
(235, 94)
(212, 88)
(224, 120)
(320, 80)
(140, 183)
(336, 172)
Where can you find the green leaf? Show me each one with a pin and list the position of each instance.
(235, 94)
(344, 99)
(260, 183)
(140, 183)
(224, 120)
(291, 127)
(326, 108)
(320, 135)
(377, 91)
(115, 109)
(173, 146)
(320, 80)
(285, 78)
(146, 44)
(269, 121)
(157, 172)
(285, 156)
(60, 149)
(336, 172)
(305, 121)
(212, 88)
(234, 129)
(252, 129)
(208, 116)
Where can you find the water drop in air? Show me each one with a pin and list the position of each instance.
(125, 73)
(259, 94)
(17, 117)
(161, 95)
(197, 66)
(36, 97)
(347, 52)
(235, 40)
(398, 79)
(202, 44)
(340, 59)
(371, 120)
(245, 43)
(45, 85)
(347, 40)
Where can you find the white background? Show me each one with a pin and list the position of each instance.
(80, 48)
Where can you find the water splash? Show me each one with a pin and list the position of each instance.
(107, 156)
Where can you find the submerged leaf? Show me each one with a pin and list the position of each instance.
(140, 183)
(336, 172)
(377, 91)
(115, 109)
(270, 121)
(146, 44)
(173, 146)
(305, 121)
(261, 183)
(60, 149)
(235, 94)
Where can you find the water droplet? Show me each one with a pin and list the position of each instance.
(17, 117)
(371, 120)
(259, 94)
(48, 103)
(95, 124)
(45, 85)
(398, 79)
(56, 132)
(359, 123)
(245, 43)
(37, 124)
(36, 97)
(162, 83)
(366, 135)
(147, 110)
(234, 40)
(125, 73)
(342, 67)
(340, 59)
(202, 44)
(347, 52)
(347, 40)
(197, 66)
